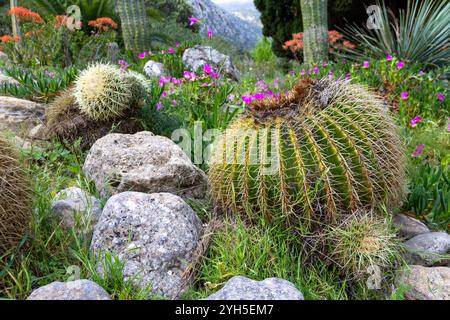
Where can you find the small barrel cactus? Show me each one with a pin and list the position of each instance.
(15, 199)
(324, 149)
(105, 92)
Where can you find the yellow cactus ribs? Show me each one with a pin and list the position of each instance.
(105, 92)
(325, 149)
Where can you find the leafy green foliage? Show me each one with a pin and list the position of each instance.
(263, 52)
(38, 85)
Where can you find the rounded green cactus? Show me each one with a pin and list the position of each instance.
(15, 198)
(324, 149)
(104, 91)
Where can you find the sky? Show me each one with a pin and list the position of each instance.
(228, 1)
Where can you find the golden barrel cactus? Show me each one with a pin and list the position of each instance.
(324, 149)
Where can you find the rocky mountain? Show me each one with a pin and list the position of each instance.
(244, 10)
(242, 33)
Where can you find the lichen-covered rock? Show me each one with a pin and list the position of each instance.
(409, 227)
(425, 283)
(4, 79)
(73, 290)
(76, 207)
(154, 235)
(144, 163)
(241, 288)
(196, 57)
(428, 249)
(154, 69)
(19, 116)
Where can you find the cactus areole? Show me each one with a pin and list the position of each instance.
(325, 149)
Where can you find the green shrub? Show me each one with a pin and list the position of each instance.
(263, 52)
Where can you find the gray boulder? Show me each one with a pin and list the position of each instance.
(73, 290)
(425, 283)
(428, 249)
(154, 69)
(196, 57)
(409, 227)
(144, 163)
(154, 235)
(241, 288)
(76, 208)
(20, 116)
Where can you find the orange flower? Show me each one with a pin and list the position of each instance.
(348, 44)
(25, 15)
(334, 36)
(103, 24)
(33, 33)
(60, 21)
(7, 38)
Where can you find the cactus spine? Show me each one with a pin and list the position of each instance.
(15, 198)
(134, 25)
(315, 28)
(324, 150)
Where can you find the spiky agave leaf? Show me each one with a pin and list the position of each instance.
(325, 149)
(15, 198)
(104, 91)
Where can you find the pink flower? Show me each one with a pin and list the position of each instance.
(159, 106)
(389, 58)
(344, 61)
(214, 75)
(170, 51)
(210, 33)
(207, 69)
(347, 76)
(164, 94)
(247, 99)
(365, 64)
(174, 102)
(448, 125)
(124, 65)
(404, 95)
(316, 70)
(177, 44)
(418, 151)
(190, 76)
(415, 121)
(331, 74)
(421, 73)
(259, 96)
(194, 20)
(440, 96)
(400, 65)
(142, 55)
(303, 72)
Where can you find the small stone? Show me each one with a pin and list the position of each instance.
(409, 227)
(428, 249)
(74, 205)
(154, 235)
(154, 69)
(20, 116)
(241, 288)
(73, 290)
(425, 283)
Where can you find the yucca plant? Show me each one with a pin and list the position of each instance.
(133, 17)
(420, 34)
(15, 198)
(324, 149)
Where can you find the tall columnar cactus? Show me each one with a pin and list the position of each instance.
(315, 28)
(105, 92)
(15, 198)
(325, 149)
(14, 22)
(134, 25)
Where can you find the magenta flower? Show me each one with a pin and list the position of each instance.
(207, 69)
(214, 75)
(189, 76)
(210, 33)
(293, 72)
(194, 20)
(174, 103)
(247, 99)
(170, 51)
(142, 55)
(400, 65)
(347, 76)
(344, 61)
(404, 95)
(389, 58)
(316, 70)
(448, 125)
(365, 64)
(331, 74)
(123, 65)
(259, 96)
(303, 72)
(177, 44)
(159, 106)
(419, 150)
(421, 73)
(164, 94)
(440, 96)
(415, 121)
